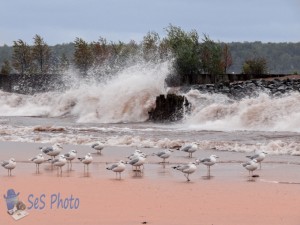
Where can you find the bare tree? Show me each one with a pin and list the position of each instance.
(100, 50)
(227, 58)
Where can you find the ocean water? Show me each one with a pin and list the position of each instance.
(115, 112)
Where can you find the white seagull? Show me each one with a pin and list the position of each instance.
(53, 150)
(86, 160)
(9, 165)
(259, 157)
(71, 155)
(137, 162)
(59, 163)
(164, 154)
(137, 152)
(98, 147)
(210, 161)
(190, 148)
(186, 169)
(39, 159)
(251, 166)
(118, 168)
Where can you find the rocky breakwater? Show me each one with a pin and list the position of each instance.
(250, 88)
(173, 107)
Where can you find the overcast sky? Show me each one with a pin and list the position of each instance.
(61, 21)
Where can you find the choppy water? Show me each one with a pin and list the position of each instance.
(116, 112)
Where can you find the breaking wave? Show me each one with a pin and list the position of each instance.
(126, 97)
(261, 113)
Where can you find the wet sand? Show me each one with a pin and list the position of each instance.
(158, 195)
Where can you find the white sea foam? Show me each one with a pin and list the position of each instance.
(262, 113)
(116, 136)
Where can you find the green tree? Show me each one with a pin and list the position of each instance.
(6, 68)
(211, 56)
(41, 54)
(83, 55)
(255, 66)
(185, 47)
(21, 58)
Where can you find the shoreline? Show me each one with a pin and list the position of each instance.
(160, 195)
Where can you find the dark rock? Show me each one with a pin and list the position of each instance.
(169, 108)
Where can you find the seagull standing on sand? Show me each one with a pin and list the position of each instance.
(137, 162)
(164, 154)
(86, 160)
(186, 169)
(9, 165)
(39, 159)
(208, 162)
(251, 166)
(98, 147)
(59, 163)
(134, 155)
(70, 156)
(190, 148)
(53, 150)
(259, 157)
(118, 168)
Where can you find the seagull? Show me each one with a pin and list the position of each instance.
(259, 157)
(137, 162)
(70, 156)
(9, 165)
(86, 160)
(118, 168)
(53, 150)
(186, 169)
(190, 148)
(208, 162)
(39, 159)
(251, 166)
(59, 163)
(137, 152)
(164, 154)
(98, 147)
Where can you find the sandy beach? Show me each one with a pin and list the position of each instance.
(158, 195)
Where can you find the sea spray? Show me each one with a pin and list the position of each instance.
(127, 96)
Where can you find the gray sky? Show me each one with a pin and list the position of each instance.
(61, 21)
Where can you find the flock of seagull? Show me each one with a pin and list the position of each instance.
(136, 160)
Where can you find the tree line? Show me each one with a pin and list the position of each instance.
(191, 55)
